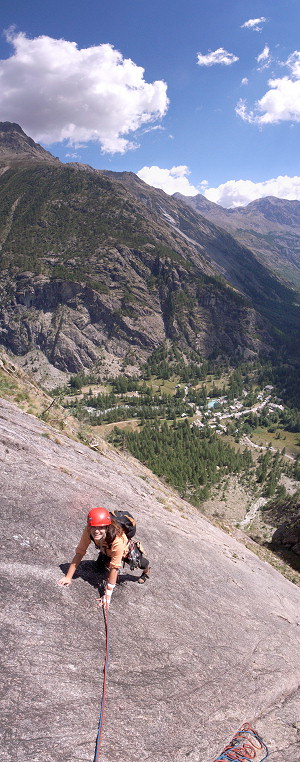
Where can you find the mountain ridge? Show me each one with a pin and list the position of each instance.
(16, 146)
(268, 226)
(94, 263)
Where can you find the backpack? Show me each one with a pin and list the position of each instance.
(126, 521)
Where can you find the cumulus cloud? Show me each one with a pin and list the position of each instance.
(281, 102)
(264, 58)
(219, 56)
(57, 92)
(254, 24)
(229, 195)
(245, 81)
(240, 192)
(171, 181)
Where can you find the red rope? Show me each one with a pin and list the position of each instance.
(103, 699)
(245, 745)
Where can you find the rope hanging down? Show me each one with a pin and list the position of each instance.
(245, 745)
(103, 699)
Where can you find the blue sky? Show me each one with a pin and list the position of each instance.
(193, 96)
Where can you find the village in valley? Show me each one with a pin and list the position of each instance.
(236, 417)
(220, 410)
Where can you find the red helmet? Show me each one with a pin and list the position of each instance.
(98, 517)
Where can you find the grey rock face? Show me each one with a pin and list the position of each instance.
(72, 323)
(211, 641)
(15, 145)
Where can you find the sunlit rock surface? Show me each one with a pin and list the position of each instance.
(210, 642)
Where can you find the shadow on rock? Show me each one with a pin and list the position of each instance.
(286, 554)
(88, 571)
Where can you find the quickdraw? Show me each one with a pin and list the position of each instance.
(245, 745)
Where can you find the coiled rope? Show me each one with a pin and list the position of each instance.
(103, 699)
(245, 745)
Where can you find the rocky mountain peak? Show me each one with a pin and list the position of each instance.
(279, 210)
(15, 145)
(198, 202)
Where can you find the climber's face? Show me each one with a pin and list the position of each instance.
(98, 533)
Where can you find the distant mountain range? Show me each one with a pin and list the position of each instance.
(269, 226)
(97, 265)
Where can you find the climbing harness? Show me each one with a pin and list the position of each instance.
(245, 745)
(103, 699)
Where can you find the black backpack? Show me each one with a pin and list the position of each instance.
(126, 521)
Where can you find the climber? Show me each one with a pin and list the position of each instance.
(109, 537)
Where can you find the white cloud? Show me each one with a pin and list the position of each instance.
(281, 102)
(254, 24)
(264, 58)
(245, 81)
(171, 181)
(219, 56)
(293, 62)
(59, 92)
(229, 195)
(153, 128)
(240, 192)
(241, 110)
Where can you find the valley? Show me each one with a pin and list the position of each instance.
(176, 429)
(149, 382)
(153, 324)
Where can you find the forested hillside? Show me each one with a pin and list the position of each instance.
(97, 266)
